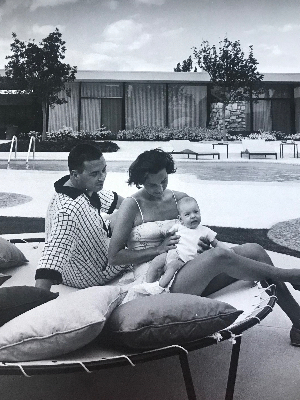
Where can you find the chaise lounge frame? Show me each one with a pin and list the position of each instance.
(259, 153)
(101, 359)
(256, 147)
(197, 154)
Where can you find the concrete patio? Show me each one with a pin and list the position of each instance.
(269, 367)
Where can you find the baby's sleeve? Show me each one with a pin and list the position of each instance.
(210, 234)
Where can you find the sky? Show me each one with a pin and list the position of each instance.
(154, 35)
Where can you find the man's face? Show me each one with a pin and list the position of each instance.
(93, 176)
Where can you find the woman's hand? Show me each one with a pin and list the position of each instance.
(203, 244)
(169, 242)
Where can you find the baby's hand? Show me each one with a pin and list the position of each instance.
(172, 231)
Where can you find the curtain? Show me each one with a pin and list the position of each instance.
(90, 114)
(262, 115)
(65, 114)
(187, 106)
(145, 105)
(100, 90)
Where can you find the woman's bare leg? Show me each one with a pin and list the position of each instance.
(255, 252)
(285, 300)
(195, 276)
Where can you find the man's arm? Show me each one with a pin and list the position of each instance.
(57, 251)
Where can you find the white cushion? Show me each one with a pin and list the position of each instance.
(59, 326)
(257, 145)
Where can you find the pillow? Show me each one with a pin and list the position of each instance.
(59, 326)
(10, 255)
(3, 278)
(15, 300)
(166, 319)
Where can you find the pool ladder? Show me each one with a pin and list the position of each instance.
(14, 141)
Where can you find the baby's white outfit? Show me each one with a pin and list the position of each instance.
(187, 247)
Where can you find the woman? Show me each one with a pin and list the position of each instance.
(137, 239)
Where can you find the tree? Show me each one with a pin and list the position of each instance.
(234, 76)
(187, 66)
(38, 70)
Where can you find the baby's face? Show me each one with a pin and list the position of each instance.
(190, 215)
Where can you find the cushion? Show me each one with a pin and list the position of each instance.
(10, 255)
(59, 326)
(16, 300)
(4, 278)
(166, 319)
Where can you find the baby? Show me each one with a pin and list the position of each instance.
(190, 231)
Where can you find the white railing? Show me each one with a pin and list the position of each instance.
(31, 144)
(13, 140)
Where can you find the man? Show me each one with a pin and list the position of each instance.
(77, 236)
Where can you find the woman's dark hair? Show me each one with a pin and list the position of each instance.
(149, 162)
(80, 153)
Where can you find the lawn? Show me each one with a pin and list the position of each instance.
(16, 225)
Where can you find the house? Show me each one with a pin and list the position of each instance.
(126, 99)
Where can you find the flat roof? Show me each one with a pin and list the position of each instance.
(160, 76)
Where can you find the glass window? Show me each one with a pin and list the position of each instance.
(262, 118)
(187, 106)
(145, 105)
(65, 114)
(100, 89)
(276, 91)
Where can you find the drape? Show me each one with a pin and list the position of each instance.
(145, 105)
(187, 106)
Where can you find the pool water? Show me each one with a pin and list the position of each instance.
(212, 171)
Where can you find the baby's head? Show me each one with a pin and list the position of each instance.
(189, 212)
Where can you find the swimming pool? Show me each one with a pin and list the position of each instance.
(212, 171)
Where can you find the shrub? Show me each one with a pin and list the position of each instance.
(269, 136)
(159, 133)
(64, 140)
(59, 145)
(68, 133)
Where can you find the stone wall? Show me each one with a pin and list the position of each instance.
(235, 116)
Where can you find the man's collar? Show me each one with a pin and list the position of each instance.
(74, 193)
(68, 190)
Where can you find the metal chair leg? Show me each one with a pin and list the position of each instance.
(235, 353)
(188, 380)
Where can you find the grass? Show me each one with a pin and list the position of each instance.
(16, 225)
(260, 236)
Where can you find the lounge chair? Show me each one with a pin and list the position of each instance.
(257, 147)
(254, 300)
(190, 148)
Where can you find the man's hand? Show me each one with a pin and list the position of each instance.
(203, 244)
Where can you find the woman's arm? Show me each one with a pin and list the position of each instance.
(118, 254)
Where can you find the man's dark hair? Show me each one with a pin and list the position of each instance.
(150, 162)
(80, 153)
